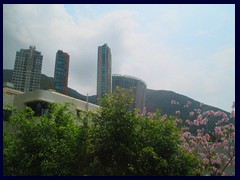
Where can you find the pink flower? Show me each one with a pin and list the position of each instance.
(183, 139)
(214, 169)
(218, 113)
(218, 130)
(218, 161)
(203, 122)
(191, 113)
(224, 115)
(216, 144)
(196, 122)
(189, 103)
(178, 112)
(207, 137)
(193, 143)
(187, 134)
(232, 134)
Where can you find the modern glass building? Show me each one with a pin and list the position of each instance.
(27, 70)
(61, 72)
(127, 82)
(104, 71)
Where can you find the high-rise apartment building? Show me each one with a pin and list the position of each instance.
(104, 71)
(129, 82)
(61, 72)
(27, 69)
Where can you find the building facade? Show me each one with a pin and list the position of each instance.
(39, 100)
(27, 69)
(138, 86)
(61, 72)
(104, 71)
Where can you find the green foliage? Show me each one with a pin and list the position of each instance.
(113, 135)
(160, 150)
(47, 145)
(113, 141)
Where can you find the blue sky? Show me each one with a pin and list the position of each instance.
(189, 49)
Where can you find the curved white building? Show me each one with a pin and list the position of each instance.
(127, 82)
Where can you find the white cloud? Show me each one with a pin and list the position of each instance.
(28, 25)
(140, 47)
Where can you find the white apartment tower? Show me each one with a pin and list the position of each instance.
(27, 70)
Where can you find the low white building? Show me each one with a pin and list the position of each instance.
(39, 100)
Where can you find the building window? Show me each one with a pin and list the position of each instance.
(40, 108)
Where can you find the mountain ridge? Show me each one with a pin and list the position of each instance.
(154, 99)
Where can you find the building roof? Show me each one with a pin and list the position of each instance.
(130, 77)
(11, 91)
(51, 97)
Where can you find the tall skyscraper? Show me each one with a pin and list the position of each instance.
(27, 69)
(61, 72)
(104, 71)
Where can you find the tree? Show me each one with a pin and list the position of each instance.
(116, 140)
(161, 152)
(128, 144)
(112, 135)
(215, 147)
(52, 144)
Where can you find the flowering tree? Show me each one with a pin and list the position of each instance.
(216, 148)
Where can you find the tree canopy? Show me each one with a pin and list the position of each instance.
(116, 140)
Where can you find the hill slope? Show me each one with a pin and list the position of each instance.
(155, 99)
(161, 99)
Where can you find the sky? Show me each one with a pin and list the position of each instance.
(188, 49)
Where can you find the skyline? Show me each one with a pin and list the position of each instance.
(188, 49)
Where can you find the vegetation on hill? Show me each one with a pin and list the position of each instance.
(162, 100)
